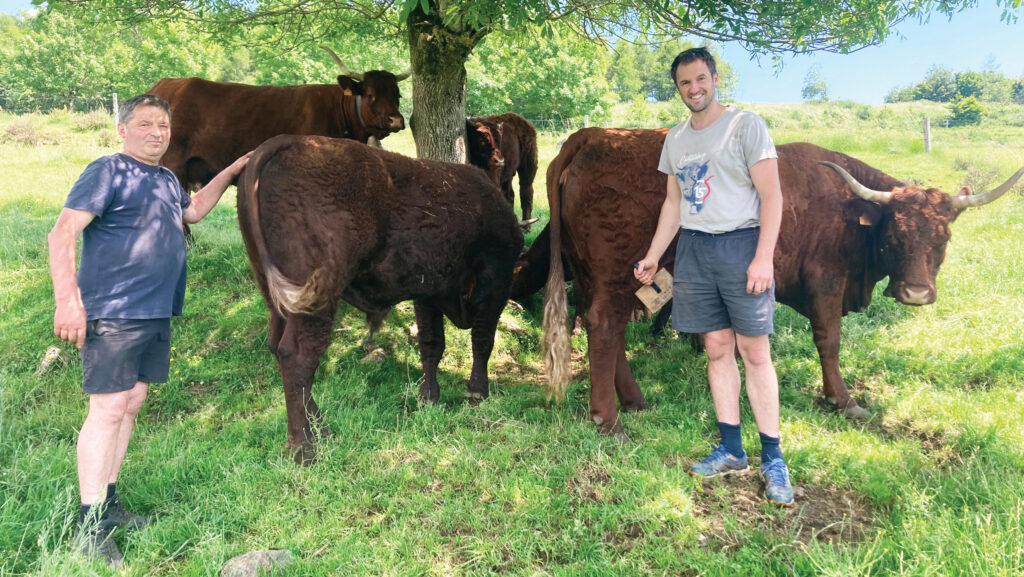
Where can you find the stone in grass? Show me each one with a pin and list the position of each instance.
(256, 563)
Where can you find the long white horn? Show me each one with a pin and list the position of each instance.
(344, 69)
(404, 75)
(962, 202)
(878, 196)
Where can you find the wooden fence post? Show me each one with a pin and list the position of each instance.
(927, 134)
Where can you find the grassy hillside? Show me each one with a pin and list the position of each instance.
(933, 484)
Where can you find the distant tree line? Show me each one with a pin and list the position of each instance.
(942, 85)
(965, 92)
(60, 58)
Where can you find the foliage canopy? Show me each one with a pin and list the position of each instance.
(441, 34)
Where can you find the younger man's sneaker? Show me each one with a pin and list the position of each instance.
(97, 542)
(118, 516)
(776, 482)
(720, 462)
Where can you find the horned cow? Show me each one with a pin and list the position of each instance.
(846, 226)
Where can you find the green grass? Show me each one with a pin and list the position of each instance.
(932, 485)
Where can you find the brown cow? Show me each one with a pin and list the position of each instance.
(505, 145)
(216, 122)
(328, 219)
(838, 239)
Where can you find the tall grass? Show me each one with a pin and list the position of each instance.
(931, 485)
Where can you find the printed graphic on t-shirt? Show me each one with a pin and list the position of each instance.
(694, 183)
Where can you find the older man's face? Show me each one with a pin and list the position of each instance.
(147, 134)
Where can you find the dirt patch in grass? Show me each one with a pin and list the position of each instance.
(937, 446)
(819, 514)
(588, 484)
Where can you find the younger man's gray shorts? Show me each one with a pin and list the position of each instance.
(121, 352)
(710, 291)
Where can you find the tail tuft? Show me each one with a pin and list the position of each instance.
(293, 298)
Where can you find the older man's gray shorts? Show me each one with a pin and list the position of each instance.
(121, 352)
(710, 291)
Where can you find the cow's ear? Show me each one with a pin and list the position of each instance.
(866, 213)
(966, 191)
(350, 86)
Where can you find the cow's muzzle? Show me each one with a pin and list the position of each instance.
(911, 294)
(397, 123)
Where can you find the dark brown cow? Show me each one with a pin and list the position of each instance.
(216, 122)
(328, 219)
(505, 145)
(838, 239)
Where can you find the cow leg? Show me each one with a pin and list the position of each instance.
(661, 320)
(275, 330)
(631, 398)
(485, 324)
(605, 342)
(826, 340)
(510, 195)
(526, 175)
(430, 321)
(374, 319)
(303, 341)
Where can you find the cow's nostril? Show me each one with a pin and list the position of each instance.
(922, 296)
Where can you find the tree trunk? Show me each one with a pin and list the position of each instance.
(438, 57)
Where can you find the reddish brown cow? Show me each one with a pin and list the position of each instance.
(845, 227)
(216, 122)
(505, 145)
(328, 219)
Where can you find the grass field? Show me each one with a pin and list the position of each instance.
(932, 484)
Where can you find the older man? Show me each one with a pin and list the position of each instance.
(117, 309)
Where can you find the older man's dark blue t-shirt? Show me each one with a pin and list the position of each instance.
(133, 252)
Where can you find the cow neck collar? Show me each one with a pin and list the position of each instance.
(350, 125)
(359, 111)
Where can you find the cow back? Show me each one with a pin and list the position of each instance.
(377, 227)
(213, 123)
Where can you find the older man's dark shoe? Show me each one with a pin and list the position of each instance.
(96, 541)
(118, 516)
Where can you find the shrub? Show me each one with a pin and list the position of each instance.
(965, 111)
(58, 114)
(109, 139)
(23, 131)
(92, 121)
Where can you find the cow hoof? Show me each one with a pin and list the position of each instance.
(427, 401)
(855, 412)
(613, 429)
(475, 398)
(303, 454)
(635, 407)
(851, 411)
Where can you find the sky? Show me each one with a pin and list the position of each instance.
(974, 39)
(971, 40)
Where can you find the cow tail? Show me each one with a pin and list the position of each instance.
(285, 296)
(555, 344)
(293, 298)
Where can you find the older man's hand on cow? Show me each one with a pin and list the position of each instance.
(236, 167)
(759, 275)
(645, 269)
